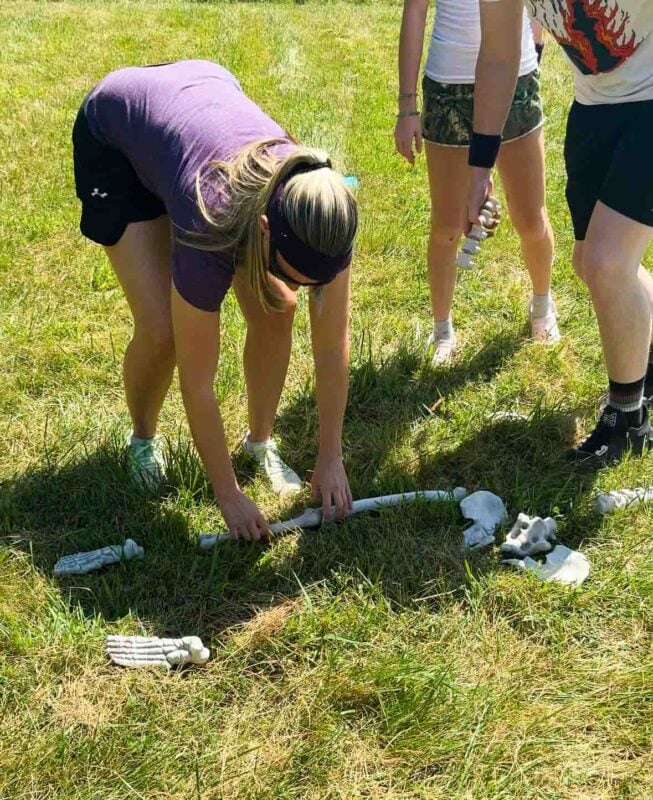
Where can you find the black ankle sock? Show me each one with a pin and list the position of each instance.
(648, 380)
(627, 397)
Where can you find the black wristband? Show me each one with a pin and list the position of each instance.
(483, 150)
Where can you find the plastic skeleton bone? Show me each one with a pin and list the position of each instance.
(81, 563)
(529, 536)
(486, 511)
(562, 566)
(312, 517)
(490, 218)
(606, 503)
(150, 651)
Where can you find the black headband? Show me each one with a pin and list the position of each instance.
(301, 256)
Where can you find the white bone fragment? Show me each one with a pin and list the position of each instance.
(312, 517)
(562, 566)
(81, 563)
(148, 651)
(529, 536)
(486, 511)
(608, 502)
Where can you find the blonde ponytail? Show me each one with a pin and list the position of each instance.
(318, 206)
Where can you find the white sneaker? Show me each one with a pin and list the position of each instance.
(283, 479)
(444, 347)
(145, 461)
(545, 330)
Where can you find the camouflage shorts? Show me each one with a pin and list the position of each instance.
(448, 111)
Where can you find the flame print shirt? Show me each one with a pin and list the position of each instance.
(609, 43)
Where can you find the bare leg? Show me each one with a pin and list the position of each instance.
(611, 259)
(521, 167)
(267, 354)
(141, 260)
(448, 180)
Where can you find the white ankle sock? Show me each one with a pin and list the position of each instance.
(541, 304)
(137, 440)
(444, 329)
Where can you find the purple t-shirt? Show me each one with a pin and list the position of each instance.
(169, 121)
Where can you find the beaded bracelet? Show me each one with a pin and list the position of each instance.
(404, 114)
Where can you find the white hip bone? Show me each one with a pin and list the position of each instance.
(562, 566)
(312, 517)
(486, 511)
(529, 536)
(81, 563)
(150, 651)
(607, 502)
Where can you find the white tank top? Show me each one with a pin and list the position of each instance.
(456, 40)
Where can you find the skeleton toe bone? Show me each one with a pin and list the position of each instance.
(608, 502)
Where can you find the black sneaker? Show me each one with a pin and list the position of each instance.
(613, 437)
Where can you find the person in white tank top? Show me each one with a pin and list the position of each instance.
(445, 124)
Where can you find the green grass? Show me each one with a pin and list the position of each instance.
(371, 660)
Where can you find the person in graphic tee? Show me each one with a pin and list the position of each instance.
(191, 188)
(609, 161)
(445, 125)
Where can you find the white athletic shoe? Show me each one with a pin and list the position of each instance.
(145, 461)
(545, 330)
(283, 479)
(444, 348)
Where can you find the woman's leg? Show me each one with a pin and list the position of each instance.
(521, 167)
(448, 181)
(141, 261)
(267, 354)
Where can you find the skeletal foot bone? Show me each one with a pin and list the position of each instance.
(312, 517)
(562, 566)
(529, 536)
(486, 511)
(607, 502)
(81, 563)
(148, 651)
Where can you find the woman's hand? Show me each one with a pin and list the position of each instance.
(244, 520)
(329, 482)
(407, 131)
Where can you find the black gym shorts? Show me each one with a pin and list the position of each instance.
(609, 157)
(112, 195)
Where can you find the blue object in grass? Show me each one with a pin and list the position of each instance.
(351, 181)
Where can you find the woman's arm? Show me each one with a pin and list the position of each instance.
(411, 40)
(330, 340)
(497, 69)
(197, 348)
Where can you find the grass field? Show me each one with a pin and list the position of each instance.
(370, 660)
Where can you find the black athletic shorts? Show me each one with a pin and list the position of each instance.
(609, 157)
(112, 195)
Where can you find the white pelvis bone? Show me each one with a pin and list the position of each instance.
(486, 511)
(81, 563)
(150, 651)
(529, 536)
(312, 517)
(562, 565)
(606, 503)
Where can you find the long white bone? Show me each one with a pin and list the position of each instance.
(312, 517)
(486, 510)
(150, 651)
(530, 536)
(81, 563)
(608, 502)
(562, 566)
